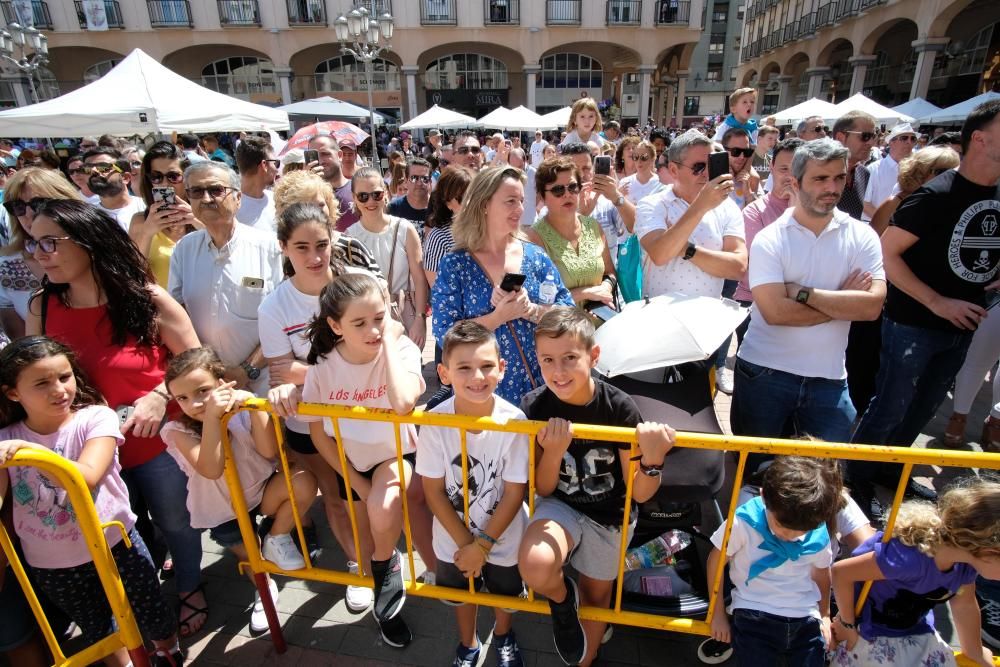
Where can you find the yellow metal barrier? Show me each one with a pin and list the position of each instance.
(743, 446)
(128, 637)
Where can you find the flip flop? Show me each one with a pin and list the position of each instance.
(184, 625)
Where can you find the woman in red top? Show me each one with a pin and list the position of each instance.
(99, 298)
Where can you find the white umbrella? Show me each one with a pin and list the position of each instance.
(324, 108)
(557, 119)
(521, 119)
(917, 108)
(666, 330)
(494, 118)
(958, 112)
(811, 107)
(859, 102)
(439, 118)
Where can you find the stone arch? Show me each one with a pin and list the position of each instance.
(68, 64)
(837, 47)
(771, 69)
(750, 79)
(869, 44)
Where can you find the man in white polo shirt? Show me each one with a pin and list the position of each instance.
(812, 272)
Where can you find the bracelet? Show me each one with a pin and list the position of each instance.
(164, 394)
(847, 626)
(482, 547)
(483, 535)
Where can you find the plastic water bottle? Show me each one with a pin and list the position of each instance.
(548, 290)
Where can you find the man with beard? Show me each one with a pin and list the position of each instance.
(812, 272)
(855, 131)
(258, 170)
(110, 177)
(414, 204)
(331, 169)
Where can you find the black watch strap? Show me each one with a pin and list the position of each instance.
(691, 250)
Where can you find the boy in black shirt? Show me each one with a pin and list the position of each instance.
(582, 482)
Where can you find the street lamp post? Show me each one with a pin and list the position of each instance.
(359, 33)
(27, 50)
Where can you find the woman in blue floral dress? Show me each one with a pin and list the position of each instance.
(487, 247)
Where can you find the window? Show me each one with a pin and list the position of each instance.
(720, 15)
(46, 86)
(97, 70)
(8, 98)
(691, 105)
(571, 70)
(713, 74)
(240, 76)
(717, 45)
(466, 70)
(345, 73)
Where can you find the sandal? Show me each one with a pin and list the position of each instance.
(990, 440)
(167, 570)
(189, 611)
(954, 432)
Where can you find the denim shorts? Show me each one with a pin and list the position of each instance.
(228, 534)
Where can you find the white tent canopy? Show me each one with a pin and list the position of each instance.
(859, 102)
(519, 119)
(327, 108)
(439, 118)
(138, 96)
(811, 107)
(917, 108)
(557, 119)
(959, 112)
(494, 118)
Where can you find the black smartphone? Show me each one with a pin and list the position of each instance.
(718, 164)
(165, 195)
(512, 282)
(311, 155)
(602, 165)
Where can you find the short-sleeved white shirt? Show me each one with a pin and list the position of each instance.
(494, 458)
(785, 590)
(787, 252)
(662, 210)
(883, 176)
(258, 213)
(209, 282)
(124, 214)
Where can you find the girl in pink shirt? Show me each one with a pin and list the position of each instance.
(46, 404)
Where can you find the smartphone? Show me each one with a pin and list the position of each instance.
(256, 283)
(718, 164)
(512, 282)
(602, 165)
(165, 195)
(992, 299)
(124, 413)
(311, 155)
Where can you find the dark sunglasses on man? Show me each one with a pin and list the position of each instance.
(465, 150)
(737, 152)
(420, 179)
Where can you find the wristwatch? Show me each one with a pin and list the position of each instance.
(620, 201)
(252, 371)
(691, 250)
(650, 471)
(803, 295)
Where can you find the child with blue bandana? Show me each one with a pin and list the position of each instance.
(779, 557)
(742, 102)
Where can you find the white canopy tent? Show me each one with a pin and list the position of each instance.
(439, 118)
(330, 108)
(958, 112)
(811, 107)
(859, 102)
(494, 118)
(518, 119)
(557, 119)
(917, 108)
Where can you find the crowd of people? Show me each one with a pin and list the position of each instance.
(146, 292)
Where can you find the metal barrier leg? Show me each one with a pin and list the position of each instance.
(277, 636)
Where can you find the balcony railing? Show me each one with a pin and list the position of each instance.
(672, 12)
(381, 6)
(807, 25)
(40, 16)
(238, 13)
(562, 12)
(789, 33)
(624, 12)
(169, 13)
(502, 12)
(306, 12)
(438, 12)
(824, 15)
(112, 10)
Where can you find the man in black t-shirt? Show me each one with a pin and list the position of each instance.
(413, 206)
(941, 253)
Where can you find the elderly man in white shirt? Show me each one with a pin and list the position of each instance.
(812, 271)
(884, 174)
(220, 274)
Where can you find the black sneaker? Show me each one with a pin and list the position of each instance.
(164, 659)
(989, 611)
(917, 491)
(714, 652)
(567, 631)
(395, 632)
(508, 652)
(466, 657)
(390, 594)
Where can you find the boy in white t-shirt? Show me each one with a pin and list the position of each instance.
(779, 561)
(484, 547)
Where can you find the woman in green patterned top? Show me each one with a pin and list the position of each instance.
(574, 242)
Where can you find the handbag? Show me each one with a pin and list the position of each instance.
(401, 306)
(630, 269)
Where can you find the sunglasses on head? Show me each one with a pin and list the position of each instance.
(560, 190)
(18, 207)
(465, 150)
(420, 179)
(737, 152)
(363, 197)
(104, 168)
(865, 136)
(696, 168)
(170, 176)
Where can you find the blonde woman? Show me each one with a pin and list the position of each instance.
(920, 168)
(487, 248)
(584, 123)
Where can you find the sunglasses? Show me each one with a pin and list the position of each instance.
(79, 170)
(420, 179)
(46, 243)
(104, 168)
(645, 157)
(275, 164)
(821, 128)
(865, 136)
(363, 197)
(560, 190)
(214, 192)
(465, 150)
(18, 208)
(170, 176)
(696, 168)
(737, 152)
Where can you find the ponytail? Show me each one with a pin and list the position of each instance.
(333, 302)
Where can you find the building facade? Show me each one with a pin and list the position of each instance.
(468, 55)
(944, 51)
(716, 56)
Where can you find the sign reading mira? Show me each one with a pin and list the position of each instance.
(473, 102)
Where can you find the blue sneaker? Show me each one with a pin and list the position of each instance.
(466, 657)
(508, 652)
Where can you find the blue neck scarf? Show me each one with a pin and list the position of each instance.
(754, 514)
(750, 126)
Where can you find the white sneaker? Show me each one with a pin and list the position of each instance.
(281, 550)
(724, 380)
(258, 619)
(429, 578)
(358, 598)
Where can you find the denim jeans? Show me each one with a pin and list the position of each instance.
(916, 369)
(163, 486)
(768, 640)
